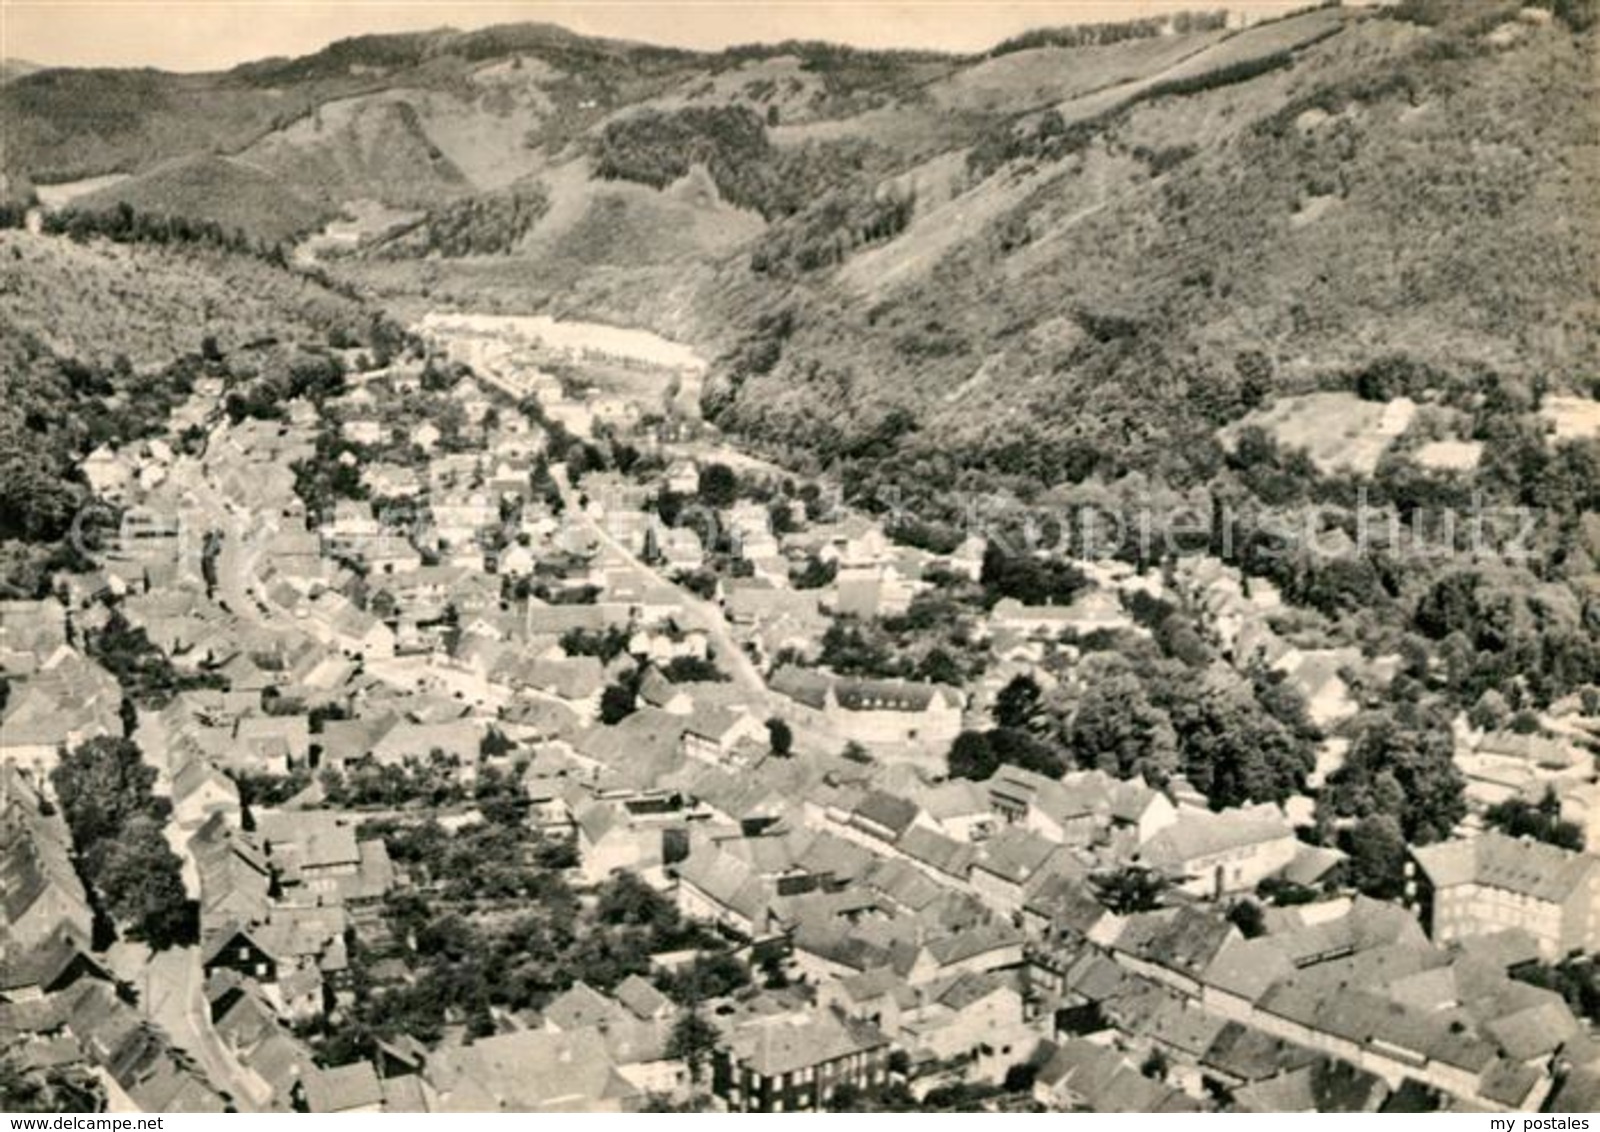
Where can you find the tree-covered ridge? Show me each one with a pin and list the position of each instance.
(100, 342)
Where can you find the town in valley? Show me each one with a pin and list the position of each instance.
(415, 700)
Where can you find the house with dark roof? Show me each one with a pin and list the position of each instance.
(796, 1062)
(1174, 946)
(1214, 854)
(1014, 863)
(344, 1088)
(248, 1026)
(1326, 1085)
(235, 876)
(1062, 907)
(1080, 1076)
(942, 858)
(529, 1071)
(883, 816)
(153, 1074)
(717, 886)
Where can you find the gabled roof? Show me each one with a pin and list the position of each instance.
(642, 999)
(955, 798)
(1326, 1085)
(1200, 834)
(1535, 1032)
(1017, 855)
(310, 839)
(791, 1042)
(1249, 1054)
(44, 964)
(528, 1071)
(580, 1006)
(947, 855)
(343, 1088)
(641, 749)
(893, 695)
(962, 946)
(1067, 903)
(1184, 939)
(727, 880)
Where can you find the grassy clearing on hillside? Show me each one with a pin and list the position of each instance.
(1339, 431)
(361, 147)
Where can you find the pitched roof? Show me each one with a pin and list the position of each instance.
(1249, 1054)
(1326, 1085)
(937, 851)
(343, 1088)
(955, 798)
(1017, 855)
(44, 964)
(639, 750)
(1184, 939)
(309, 839)
(1200, 834)
(727, 880)
(791, 1042)
(1527, 867)
(892, 695)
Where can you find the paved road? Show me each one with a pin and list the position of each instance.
(174, 994)
(702, 614)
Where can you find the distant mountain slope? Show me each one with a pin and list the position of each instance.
(152, 304)
(1079, 254)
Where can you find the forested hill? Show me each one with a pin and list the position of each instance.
(1084, 253)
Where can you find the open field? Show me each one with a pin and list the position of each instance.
(1339, 431)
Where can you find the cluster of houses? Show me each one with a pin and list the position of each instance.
(62, 1011)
